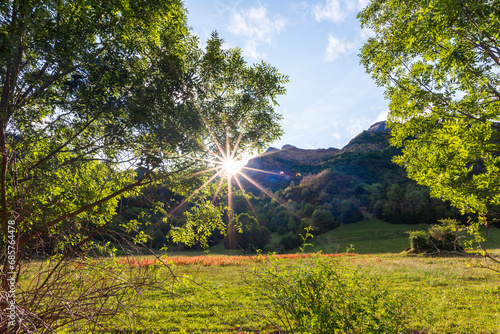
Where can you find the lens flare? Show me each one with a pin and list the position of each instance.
(227, 165)
(231, 166)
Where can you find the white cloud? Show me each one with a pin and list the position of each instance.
(382, 116)
(366, 33)
(256, 27)
(332, 10)
(337, 10)
(336, 135)
(337, 47)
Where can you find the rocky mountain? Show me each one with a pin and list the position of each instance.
(367, 157)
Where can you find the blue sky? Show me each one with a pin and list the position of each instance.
(330, 98)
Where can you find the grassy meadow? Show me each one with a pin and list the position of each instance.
(221, 293)
(218, 294)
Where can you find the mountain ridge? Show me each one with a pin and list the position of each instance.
(367, 156)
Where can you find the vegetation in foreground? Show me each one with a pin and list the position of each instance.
(437, 295)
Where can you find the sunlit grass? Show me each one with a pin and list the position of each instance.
(214, 294)
(376, 236)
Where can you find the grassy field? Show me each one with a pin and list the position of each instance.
(372, 236)
(445, 294)
(218, 292)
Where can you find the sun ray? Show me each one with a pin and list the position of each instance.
(228, 164)
(218, 189)
(263, 154)
(271, 152)
(211, 132)
(204, 147)
(202, 172)
(267, 192)
(236, 145)
(230, 228)
(245, 195)
(262, 171)
(199, 159)
(189, 157)
(228, 147)
(196, 191)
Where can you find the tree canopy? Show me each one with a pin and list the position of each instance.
(439, 62)
(99, 99)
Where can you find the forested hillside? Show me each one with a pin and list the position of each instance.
(293, 188)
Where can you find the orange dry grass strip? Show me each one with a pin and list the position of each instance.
(218, 260)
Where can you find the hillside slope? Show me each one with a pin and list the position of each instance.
(367, 157)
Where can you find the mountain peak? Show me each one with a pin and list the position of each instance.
(379, 127)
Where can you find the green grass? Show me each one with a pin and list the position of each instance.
(447, 296)
(373, 236)
(367, 236)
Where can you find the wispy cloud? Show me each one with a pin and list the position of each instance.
(337, 47)
(336, 135)
(255, 27)
(356, 126)
(332, 10)
(337, 10)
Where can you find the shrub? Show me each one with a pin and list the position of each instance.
(439, 237)
(291, 241)
(326, 296)
(419, 241)
(323, 220)
(445, 236)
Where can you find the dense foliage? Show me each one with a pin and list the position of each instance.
(443, 237)
(99, 99)
(439, 63)
(326, 296)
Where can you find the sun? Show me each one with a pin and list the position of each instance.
(232, 166)
(228, 164)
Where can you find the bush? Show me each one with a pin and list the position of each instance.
(158, 239)
(439, 237)
(445, 236)
(419, 241)
(326, 296)
(291, 241)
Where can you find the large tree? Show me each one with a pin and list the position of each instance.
(439, 61)
(98, 99)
